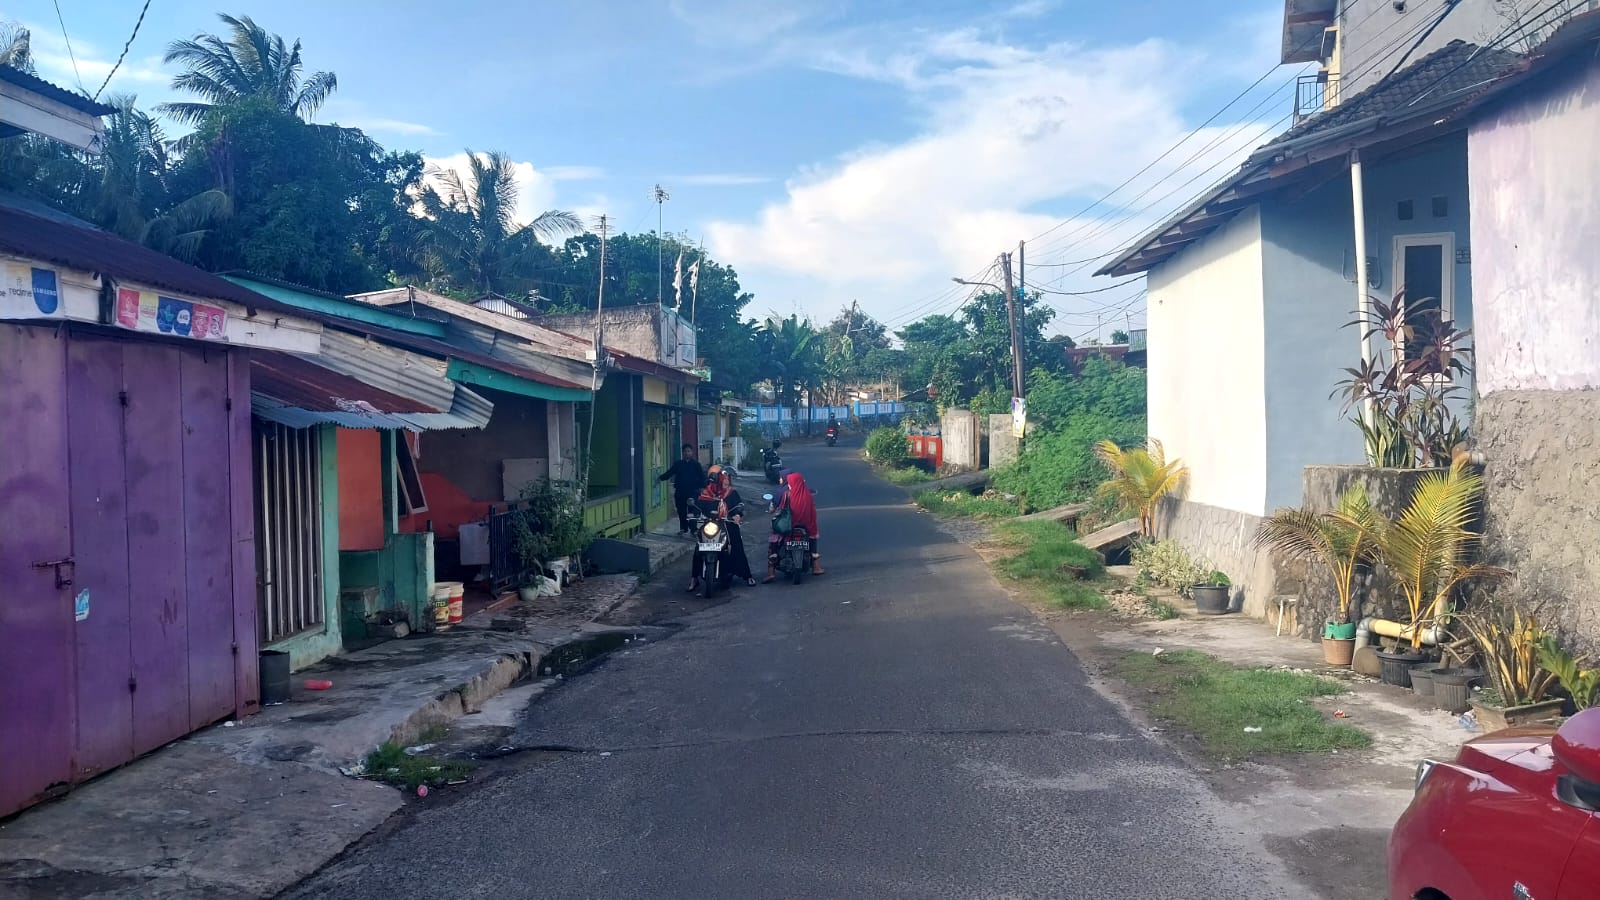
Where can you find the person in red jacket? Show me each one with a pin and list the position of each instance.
(802, 507)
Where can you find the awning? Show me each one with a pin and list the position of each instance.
(300, 392)
(528, 384)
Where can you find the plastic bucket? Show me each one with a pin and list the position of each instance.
(441, 603)
(457, 604)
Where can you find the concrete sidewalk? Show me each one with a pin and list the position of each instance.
(246, 809)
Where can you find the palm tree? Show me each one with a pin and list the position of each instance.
(1140, 477)
(252, 62)
(16, 48)
(791, 350)
(133, 194)
(473, 238)
(1343, 540)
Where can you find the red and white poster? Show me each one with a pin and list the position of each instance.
(149, 312)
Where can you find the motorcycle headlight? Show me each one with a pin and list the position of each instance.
(1424, 769)
(711, 529)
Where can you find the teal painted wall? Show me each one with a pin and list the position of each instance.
(314, 646)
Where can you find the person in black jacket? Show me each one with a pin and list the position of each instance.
(687, 479)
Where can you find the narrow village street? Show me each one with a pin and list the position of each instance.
(897, 728)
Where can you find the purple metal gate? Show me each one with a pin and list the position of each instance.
(127, 470)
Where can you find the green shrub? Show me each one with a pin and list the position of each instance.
(1169, 565)
(1060, 467)
(1051, 550)
(906, 475)
(961, 504)
(887, 446)
(754, 440)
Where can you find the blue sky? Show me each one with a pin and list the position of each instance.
(828, 150)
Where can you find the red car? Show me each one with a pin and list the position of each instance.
(1514, 817)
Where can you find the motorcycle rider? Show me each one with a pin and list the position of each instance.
(802, 507)
(720, 499)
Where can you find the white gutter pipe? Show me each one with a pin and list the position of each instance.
(1358, 203)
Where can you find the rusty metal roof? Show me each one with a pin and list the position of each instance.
(303, 384)
(82, 246)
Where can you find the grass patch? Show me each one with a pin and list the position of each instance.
(962, 505)
(1161, 609)
(391, 764)
(1050, 558)
(905, 476)
(1216, 702)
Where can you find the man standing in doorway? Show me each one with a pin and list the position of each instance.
(687, 480)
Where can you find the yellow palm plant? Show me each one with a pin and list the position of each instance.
(1510, 642)
(1140, 477)
(1428, 548)
(1344, 540)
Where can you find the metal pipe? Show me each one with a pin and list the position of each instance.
(1358, 202)
(1390, 628)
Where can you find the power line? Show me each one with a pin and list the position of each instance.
(70, 55)
(125, 47)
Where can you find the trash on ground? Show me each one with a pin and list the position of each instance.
(422, 790)
(1340, 714)
(1468, 722)
(318, 684)
(1252, 729)
(420, 748)
(1157, 651)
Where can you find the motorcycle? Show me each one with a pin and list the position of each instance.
(832, 437)
(794, 550)
(771, 462)
(713, 549)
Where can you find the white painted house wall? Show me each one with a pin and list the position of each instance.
(1207, 365)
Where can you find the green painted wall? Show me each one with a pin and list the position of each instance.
(607, 450)
(657, 457)
(403, 570)
(312, 647)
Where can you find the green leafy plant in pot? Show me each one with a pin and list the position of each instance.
(1213, 596)
(1511, 642)
(1344, 541)
(1428, 551)
(548, 526)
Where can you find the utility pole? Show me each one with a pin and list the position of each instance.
(1022, 268)
(661, 197)
(1011, 312)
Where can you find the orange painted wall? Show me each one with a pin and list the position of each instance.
(449, 508)
(360, 489)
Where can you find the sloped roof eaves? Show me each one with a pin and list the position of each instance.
(1455, 76)
(306, 385)
(51, 92)
(93, 250)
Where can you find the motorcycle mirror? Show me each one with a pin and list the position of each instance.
(1577, 745)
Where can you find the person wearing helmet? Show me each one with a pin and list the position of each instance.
(719, 498)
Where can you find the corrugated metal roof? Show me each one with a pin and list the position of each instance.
(473, 411)
(51, 92)
(90, 249)
(297, 392)
(388, 367)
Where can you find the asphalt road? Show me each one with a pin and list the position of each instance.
(897, 728)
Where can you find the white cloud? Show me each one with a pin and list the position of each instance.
(1008, 130)
(536, 189)
(56, 63)
(575, 173)
(390, 126)
(717, 179)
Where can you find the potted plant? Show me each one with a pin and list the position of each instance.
(1345, 541)
(1510, 641)
(1427, 551)
(548, 530)
(1212, 595)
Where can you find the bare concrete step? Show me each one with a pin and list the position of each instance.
(1112, 537)
(1067, 515)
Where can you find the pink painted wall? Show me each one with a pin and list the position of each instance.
(1535, 228)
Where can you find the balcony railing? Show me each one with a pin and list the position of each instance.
(1315, 93)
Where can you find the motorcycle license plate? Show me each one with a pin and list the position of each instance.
(798, 545)
(710, 547)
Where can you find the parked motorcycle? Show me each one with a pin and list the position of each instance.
(713, 549)
(794, 551)
(772, 463)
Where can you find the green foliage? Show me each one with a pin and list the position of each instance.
(1217, 578)
(754, 440)
(963, 505)
(1344, 541)
(887, 446)
(905, 475)
(1051, 551)
(1166, 564)
(1216, 702)
(550, 524)
(390, 763)
(1582, 684)
(1160, 609)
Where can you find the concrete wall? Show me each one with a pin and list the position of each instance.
(1371, 33)
(1207, 359)
(1003, 445)
(1221, 539)
(470, 458)
(1308, 301)
(963, 439)
(1535, 225)
(644, 330)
